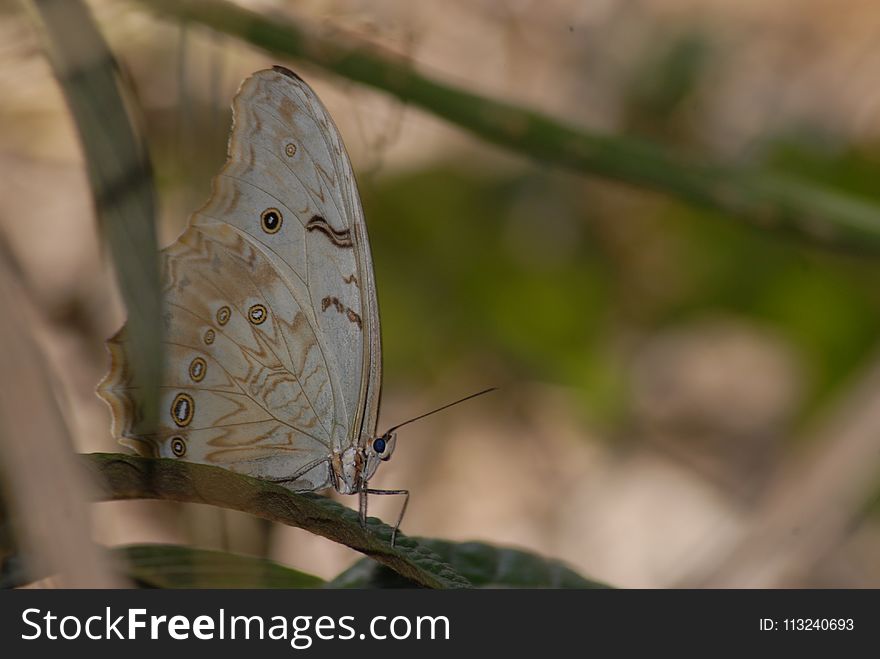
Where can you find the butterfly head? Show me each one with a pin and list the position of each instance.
(378, 450)
(355, 466)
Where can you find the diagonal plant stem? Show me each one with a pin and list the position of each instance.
(131, 477)
(759, 197)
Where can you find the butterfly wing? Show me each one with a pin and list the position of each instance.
(270, 313)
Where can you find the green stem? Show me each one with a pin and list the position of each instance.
(759, 197)
(130, 477)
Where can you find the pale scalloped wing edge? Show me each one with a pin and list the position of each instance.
(124, 409)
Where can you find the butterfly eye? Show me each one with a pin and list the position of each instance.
(379, 445)
(178, 446)
(271, 220)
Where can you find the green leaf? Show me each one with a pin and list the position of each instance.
(175, 566)
(485, 566)
(123, 477)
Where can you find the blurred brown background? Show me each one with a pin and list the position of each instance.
(686, 400)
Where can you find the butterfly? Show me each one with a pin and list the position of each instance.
(271, 323)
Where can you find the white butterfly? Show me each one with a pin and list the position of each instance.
(273, 354)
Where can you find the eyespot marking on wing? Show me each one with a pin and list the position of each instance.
(209, 337)
(182, 409)
(257, 314)
(271, 220)
(223, 314)
(338, 238)
(178, 446)
(197, 369)
(290, 149)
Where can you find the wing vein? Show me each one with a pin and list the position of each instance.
(263, 407)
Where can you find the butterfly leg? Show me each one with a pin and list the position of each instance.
(405, 493)
(362, 507)
(304, 470)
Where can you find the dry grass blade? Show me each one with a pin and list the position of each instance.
(51, 523)
(119, 172)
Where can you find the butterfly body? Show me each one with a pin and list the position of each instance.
(270, 318)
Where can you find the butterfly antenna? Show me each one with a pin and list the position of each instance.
(422, 416)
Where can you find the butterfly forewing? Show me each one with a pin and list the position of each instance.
(270, 308)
